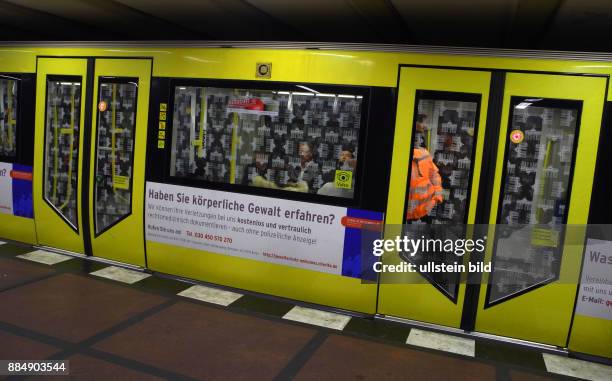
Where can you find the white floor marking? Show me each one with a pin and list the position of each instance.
(210, 295)
(45, 257)
(442, 342)
(317, 317)
(577, 368)
(120, 274)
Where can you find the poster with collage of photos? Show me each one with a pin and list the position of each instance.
(282, 140)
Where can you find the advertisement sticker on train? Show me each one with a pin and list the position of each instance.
(299, 234)
(595, 295)
(16, 190)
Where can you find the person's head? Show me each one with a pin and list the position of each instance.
(305, 151)
(347, 153)
(420, 122)
(261, 162)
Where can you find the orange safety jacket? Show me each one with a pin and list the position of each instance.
(425, 185)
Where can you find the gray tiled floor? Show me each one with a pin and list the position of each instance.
(468, 349)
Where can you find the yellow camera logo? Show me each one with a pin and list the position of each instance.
(344, 179)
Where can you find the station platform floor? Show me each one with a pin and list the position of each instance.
(115, 324)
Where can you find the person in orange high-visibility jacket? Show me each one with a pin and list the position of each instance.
(425, 185)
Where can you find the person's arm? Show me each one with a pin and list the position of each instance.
(436, 181)
(300, 186)
(261, 182)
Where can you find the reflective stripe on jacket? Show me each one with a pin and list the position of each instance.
(425, 185)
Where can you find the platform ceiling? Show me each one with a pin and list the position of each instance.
(581, 25)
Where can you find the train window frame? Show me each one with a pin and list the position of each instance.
(445, 96)
(67, 78)
(363, 91)
(550, 103)
(545, 103)
(16, 158)
(456, 96)
(117, 80)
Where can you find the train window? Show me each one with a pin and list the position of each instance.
(63, 118)
(444, 139)
(114, 150)
(538, 162)
(534, 200)
(8, 117)
(298, 141)
(445, 132)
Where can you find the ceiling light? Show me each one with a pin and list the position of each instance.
(307, 88)
(522, 105)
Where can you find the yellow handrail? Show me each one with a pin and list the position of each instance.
(543, 183)
(202, 123)
(114, 131)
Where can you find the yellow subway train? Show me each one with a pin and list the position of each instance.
(265, 167)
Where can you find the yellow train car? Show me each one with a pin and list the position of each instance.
(266, 168)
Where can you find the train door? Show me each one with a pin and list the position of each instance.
(544, 173)
(58, 147)
(90, 148)
(442, 114)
